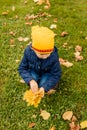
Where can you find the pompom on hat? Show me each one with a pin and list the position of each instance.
(42, 39)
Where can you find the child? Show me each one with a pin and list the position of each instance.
(40, 67)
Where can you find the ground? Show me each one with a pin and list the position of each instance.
(69, 16)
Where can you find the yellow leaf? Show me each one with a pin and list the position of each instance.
(67, 115)
(33, 98)
(83, 124)
(45, 115)
(53, 128)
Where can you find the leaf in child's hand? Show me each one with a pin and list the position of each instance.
(83, 124)
(31, 125)
(67, 115)
(33, 98)
(45, 115)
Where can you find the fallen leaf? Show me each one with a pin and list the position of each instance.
(13, 8)
(17, 61)
(25, 2)
(53, 128)
(31, 125)
(78, 56)
(74, 126)
(11, 41)
(45, 115)
(83, 124)
(22, 81)
(36, 1)
(78, 48)
(20, 39)
(12, 33)
(53, 26)
(67, 115)
(65, 44)
(5, 13)
(26, 39)
(51, 91)
(64, 34)
(74, 119)
(65, 63)
(28, 23)
(55, 20)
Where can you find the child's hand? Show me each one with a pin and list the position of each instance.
(33, 86)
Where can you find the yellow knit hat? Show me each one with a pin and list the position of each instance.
(42, 39)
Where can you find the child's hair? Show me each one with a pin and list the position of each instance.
(42, 39)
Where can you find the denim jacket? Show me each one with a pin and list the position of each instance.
(49, 65)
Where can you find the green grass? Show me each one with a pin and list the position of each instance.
(72, 92)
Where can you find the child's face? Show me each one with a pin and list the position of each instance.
(42, 56)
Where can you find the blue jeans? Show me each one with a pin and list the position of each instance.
(39, 79)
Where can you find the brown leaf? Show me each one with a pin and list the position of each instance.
(65, 63)
(20, 39)
(12, 33)
(74, 126)
(55, 20)
(11, 41)
(83, 124)
(51, 91)
(31, 125)
(64, 34)
(78, 48)
(78, 56)
(67, 115)
(45, 115)
(28, 23)
(5, 13)
(74, 119)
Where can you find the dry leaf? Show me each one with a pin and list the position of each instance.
(78, 48)
(11, 41)
(26, 39)
(31, 125)
(51, 91)
(74, 119)
(5, 13)
(17, 61)
(83, 124)
(55, 20)
(28, 23)
(25, 2)
(65, 63)
(20, 39)
(74, 126)
(78, 56)
(53, 26)
(22, 81)
(13, 8)
(45, 115)
(67, 115)
(12, 33)
(53, 128)
(64, 34)
(36, 1)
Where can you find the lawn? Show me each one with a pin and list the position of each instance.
(69, 16)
